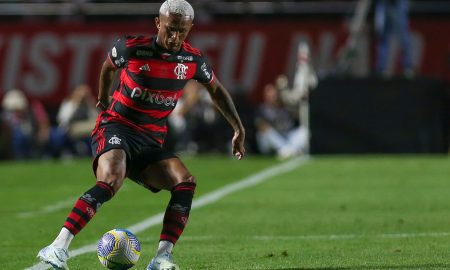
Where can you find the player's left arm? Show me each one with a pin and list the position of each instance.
(222, 99)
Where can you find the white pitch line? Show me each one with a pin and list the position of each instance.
(330, 237)
(48, 209)
(200, 202)
(349, 236)
(57, 206)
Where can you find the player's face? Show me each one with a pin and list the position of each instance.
(172, 31)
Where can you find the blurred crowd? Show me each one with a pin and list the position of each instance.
(29, 131)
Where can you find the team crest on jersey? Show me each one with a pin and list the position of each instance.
(180, 70)
(115, 140)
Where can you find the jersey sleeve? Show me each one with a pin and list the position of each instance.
(204, 73)
(119, 53)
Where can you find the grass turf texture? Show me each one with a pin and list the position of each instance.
(332, 213)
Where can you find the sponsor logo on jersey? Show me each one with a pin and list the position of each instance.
(180, 70)
(119, 61)
(165, 55)
(114, 52)
(179, 208)
(185, 58)
(144, 53)
(154, 98)
(205, 70)
(145, 67)
(88, 198)
(115, 140)
(90, 211)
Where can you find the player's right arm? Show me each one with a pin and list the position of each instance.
(117, 58)
(106, 78)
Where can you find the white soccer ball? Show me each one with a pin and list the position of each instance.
(118, 249)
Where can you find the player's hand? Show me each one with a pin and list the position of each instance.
(238, 144)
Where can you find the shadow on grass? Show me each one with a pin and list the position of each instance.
(418, 266)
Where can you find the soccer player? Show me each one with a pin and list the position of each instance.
(129, 134)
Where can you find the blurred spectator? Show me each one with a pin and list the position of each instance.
(76, 118)
(191, 123)
(277, 131)
(181, 120)
(391, 16)
(17, 123)
(210, 132)
(296, 99)
(28, 127)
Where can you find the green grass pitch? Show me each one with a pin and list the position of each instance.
(340, 212)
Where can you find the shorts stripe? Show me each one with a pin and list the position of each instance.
(101, 140)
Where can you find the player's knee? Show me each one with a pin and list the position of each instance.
(112, 176)
(187, 185)
(189, 179)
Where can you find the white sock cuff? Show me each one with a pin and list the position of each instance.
(165, 246)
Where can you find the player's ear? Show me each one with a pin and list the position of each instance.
(157, 22)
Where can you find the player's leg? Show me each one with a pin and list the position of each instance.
(402, 22)
(382, 29)
(170, 174)
(110, 172)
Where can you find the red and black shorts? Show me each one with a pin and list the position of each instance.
(141, 150)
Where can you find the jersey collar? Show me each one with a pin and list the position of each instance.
(164, 53)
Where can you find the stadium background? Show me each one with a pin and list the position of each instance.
(49, 47)
(324, 212)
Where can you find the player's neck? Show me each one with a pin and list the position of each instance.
(161, 49)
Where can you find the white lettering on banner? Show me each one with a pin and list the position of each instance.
(324, 56)
(324, 60)
(82, 45)
(49, 63)
(323, 53)
(228, 58)
(252, 65)
(205, 42)
(13, 62)
(45, 78)
(229, 46)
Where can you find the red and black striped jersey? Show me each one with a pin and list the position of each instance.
(151, 82)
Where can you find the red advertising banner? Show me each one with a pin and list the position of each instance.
(47, 60)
